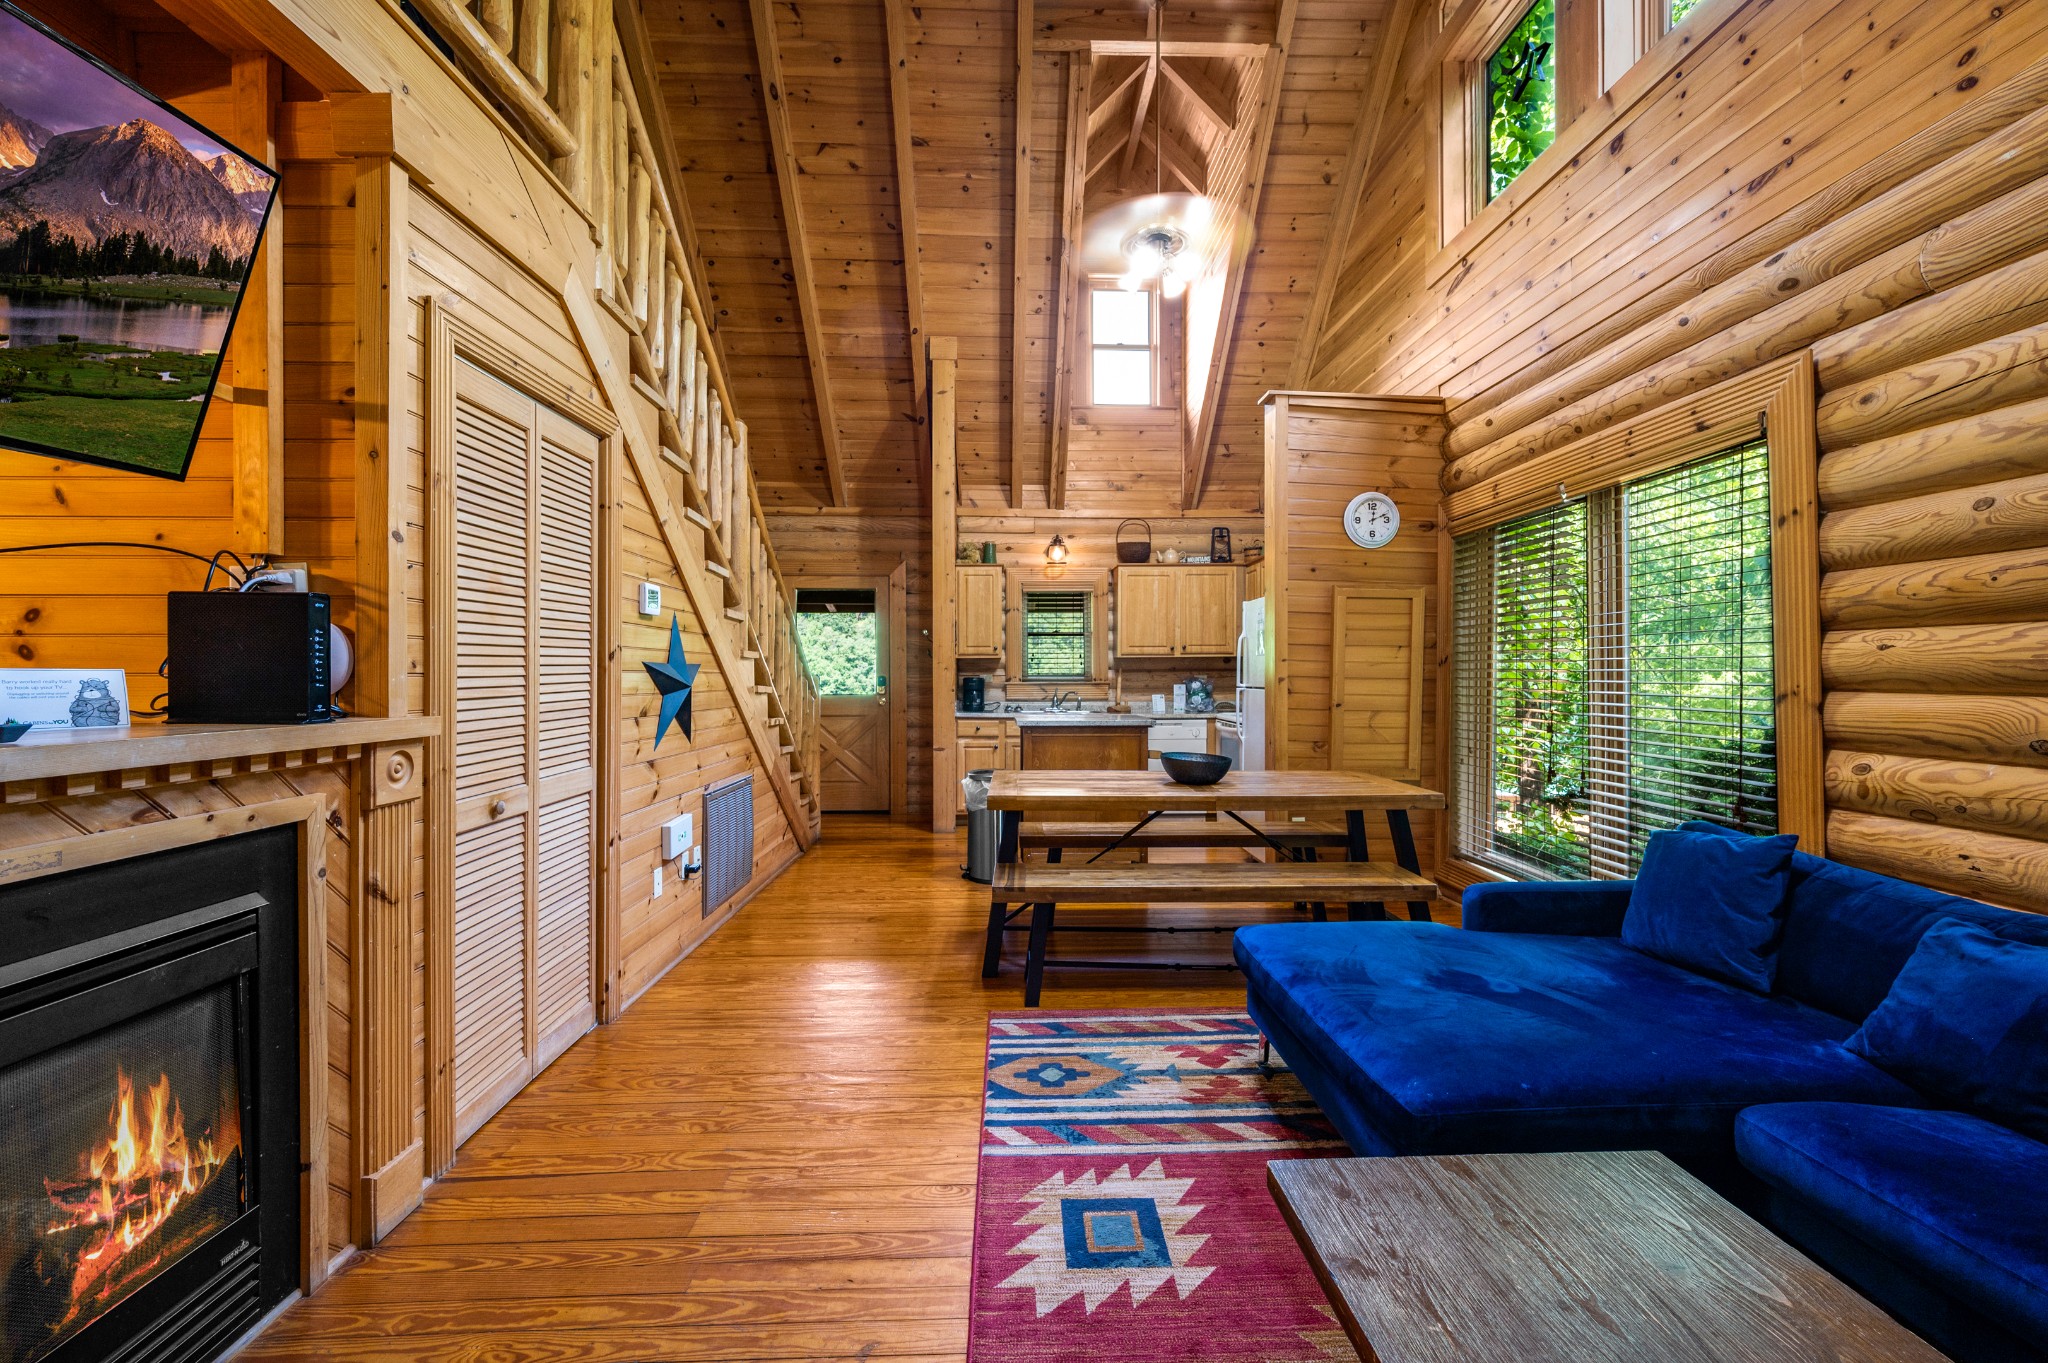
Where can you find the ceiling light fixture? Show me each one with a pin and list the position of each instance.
(1056, 552)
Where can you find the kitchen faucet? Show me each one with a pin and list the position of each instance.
(1060, 698)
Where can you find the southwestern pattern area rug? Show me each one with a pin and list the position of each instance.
(1122, 1214)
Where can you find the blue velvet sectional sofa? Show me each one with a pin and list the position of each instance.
(1536, 1028)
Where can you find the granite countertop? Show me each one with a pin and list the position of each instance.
(1086, 719)
(1080, 716)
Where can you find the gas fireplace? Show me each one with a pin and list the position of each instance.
(149, 1101)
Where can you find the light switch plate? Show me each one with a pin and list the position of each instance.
(650, 598)
(657, 882)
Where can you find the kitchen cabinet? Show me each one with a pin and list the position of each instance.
(1211, 601)
(978, 620)
(1178, 612)
(1147, 611)
(982, 744)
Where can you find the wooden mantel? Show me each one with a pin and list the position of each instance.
(63, 762)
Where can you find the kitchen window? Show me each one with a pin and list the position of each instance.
(1058, 635)
(1614, 671)
(1123, 338)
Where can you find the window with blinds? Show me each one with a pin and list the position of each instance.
(1613, 671)
(1056, 635)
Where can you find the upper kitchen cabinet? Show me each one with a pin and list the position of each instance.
(1177, 612)
(978, 628)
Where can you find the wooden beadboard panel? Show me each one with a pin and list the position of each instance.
(1323, 450)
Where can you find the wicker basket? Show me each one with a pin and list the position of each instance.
(1134, 551)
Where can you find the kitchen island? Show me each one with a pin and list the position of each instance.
(1082, 741)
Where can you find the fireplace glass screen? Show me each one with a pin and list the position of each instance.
(119, 1154)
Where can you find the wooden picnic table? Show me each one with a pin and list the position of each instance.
(1241, 800)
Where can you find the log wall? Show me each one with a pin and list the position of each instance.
(1864, 183)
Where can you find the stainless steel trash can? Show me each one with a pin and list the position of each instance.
(981, 828)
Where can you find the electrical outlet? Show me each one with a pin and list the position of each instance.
(657, 882)
(650, 598)
(297, 570)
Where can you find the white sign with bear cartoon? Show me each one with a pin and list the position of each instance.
(61, 698)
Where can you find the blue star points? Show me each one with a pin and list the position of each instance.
(675, 679)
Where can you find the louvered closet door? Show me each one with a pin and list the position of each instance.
(525, 739)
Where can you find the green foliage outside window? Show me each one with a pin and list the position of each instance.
(1521, 97)
(1056, 635)
(840, 651)
(1542, 642)
(1681, 8)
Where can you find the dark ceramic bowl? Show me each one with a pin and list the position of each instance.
(1195, 768)
(10, 732)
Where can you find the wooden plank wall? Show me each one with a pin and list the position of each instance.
(1329, 449)
(1862, 181)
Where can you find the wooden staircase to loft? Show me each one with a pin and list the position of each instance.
(574, 85)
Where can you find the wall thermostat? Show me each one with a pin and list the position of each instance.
(1372, 520)
(650, 599)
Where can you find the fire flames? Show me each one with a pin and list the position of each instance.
(131, 1184)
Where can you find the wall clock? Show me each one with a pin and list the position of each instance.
(1372, 520)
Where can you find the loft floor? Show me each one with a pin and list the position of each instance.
(771, 1156)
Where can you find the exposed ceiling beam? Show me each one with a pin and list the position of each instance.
(898, 25)
(1067, 30)
(1183, 163)
(1104, 107)
(786, 172)
(1146, 89)
(1142, 47)
(1210, 101)
(1372, 115)
(1020, 255)
(1067, 309)
(1106, 153)
(1245, 205)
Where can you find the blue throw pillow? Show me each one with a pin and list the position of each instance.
(1712, 904)
(1967, 1021)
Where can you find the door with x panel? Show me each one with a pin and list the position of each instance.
(526, 673)
(844, 635)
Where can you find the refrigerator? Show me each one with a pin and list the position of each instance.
(1251, 686)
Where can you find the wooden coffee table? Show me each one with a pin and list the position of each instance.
(1617, 1257)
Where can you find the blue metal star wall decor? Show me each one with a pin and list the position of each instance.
(674, 679)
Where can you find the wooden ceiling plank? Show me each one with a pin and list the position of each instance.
(1136, 47)
(768, 52)
(1372, 115)
(1020, 254)
(1209, 100)
(1103, 155)
(898, 25)
(1272, 72)
(1067, 311)
(1183, 163)
(1146, 90)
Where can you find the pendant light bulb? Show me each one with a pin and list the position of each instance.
(1056, 552)
(1171, 285)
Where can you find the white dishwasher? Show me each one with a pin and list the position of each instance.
(1177, 735)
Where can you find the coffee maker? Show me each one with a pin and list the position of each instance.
(973, 693)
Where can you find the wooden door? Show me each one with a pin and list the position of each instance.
(978, 629)
(1210, 611)
(844, 633)
(1377, 665)
(1147, 611)
(525, 760)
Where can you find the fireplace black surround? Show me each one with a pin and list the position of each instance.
(149, 1103)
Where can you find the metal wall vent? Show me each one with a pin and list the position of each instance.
(728, 840)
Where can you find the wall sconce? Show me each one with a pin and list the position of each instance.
(1056, 552)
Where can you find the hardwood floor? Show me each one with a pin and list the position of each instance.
(771, 1156)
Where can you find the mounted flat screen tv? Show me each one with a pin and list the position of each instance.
(127, 232)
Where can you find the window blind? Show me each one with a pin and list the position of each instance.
(1056, 634)
(1613, 671)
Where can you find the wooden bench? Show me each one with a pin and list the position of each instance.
(1044, 886)
(1184, 832)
